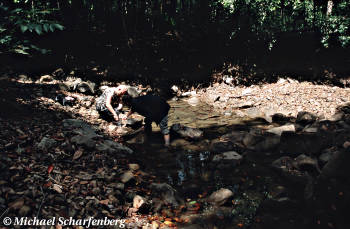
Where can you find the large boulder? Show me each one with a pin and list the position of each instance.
(304, 143)
(187, 132)
(112, 147)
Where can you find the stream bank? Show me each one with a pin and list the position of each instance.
(243, 173)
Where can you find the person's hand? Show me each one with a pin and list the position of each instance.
(116, 118)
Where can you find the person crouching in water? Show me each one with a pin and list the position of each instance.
(110, 96)
(154, 109)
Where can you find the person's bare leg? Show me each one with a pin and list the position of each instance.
(167, 139)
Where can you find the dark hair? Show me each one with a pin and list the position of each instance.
(126, 100)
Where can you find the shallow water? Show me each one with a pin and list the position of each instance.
(187, 162)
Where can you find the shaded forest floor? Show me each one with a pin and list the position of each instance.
(74, 180)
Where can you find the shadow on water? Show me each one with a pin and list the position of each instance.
(188, 164)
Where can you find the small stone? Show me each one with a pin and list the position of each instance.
(134, 167)
(193, 101)
(46, 79)
(230, 155)
(127, 176)
(220, 197)
(138, 201)
(305, 118)
(279, 130)
(24, 210)
(346, 144)
(325, 157)
(46, 143)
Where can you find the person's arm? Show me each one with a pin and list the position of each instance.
(110, 108)
(128, 114)
(120, 106)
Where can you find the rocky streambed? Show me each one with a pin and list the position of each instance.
(272, 171)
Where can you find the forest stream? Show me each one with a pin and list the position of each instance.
(191, 168)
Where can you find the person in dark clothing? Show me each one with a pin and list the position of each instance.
(110, 96)
(154, 109)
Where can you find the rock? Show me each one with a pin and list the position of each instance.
(189, 93)
(213, 98)
(234, 136)
(280, 118)
(175, 88)
(84, 140)
(166, 193)
(24, 210)
(138, 139)
(219, 197)
(287, 167)
(269, 142)
(58, 73)
(86, 87)
(179, 143)
(46, 143)
(187, 132)
(337, 166)
(111, 128)
(310, 129)
(251, 139)
(338, 116)
(46, 79)
(127, 176)
(325, 157)
(134, 167)
(133, 92)
(138, 201)
(243, 105)
(119, 186)
(258, 114)
(306, 163)
(304, 143)
(78, 124)
(193, 101)
(218, 145)
(77, 84)
(228, 156)
(133, 122)
(109, 146)
(279, 130)
(247, 91)
(305, 118)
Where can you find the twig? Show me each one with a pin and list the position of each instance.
(7, 209)
(42, 202)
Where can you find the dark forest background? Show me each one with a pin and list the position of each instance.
(193, 40)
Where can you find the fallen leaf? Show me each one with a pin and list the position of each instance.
(105, 202)
(169, 223)
(77, 154)
(17, 204)
(49, 169)
(57, 188)
(23, 137)
(48, 184)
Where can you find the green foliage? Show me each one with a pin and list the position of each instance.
(25, 20)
